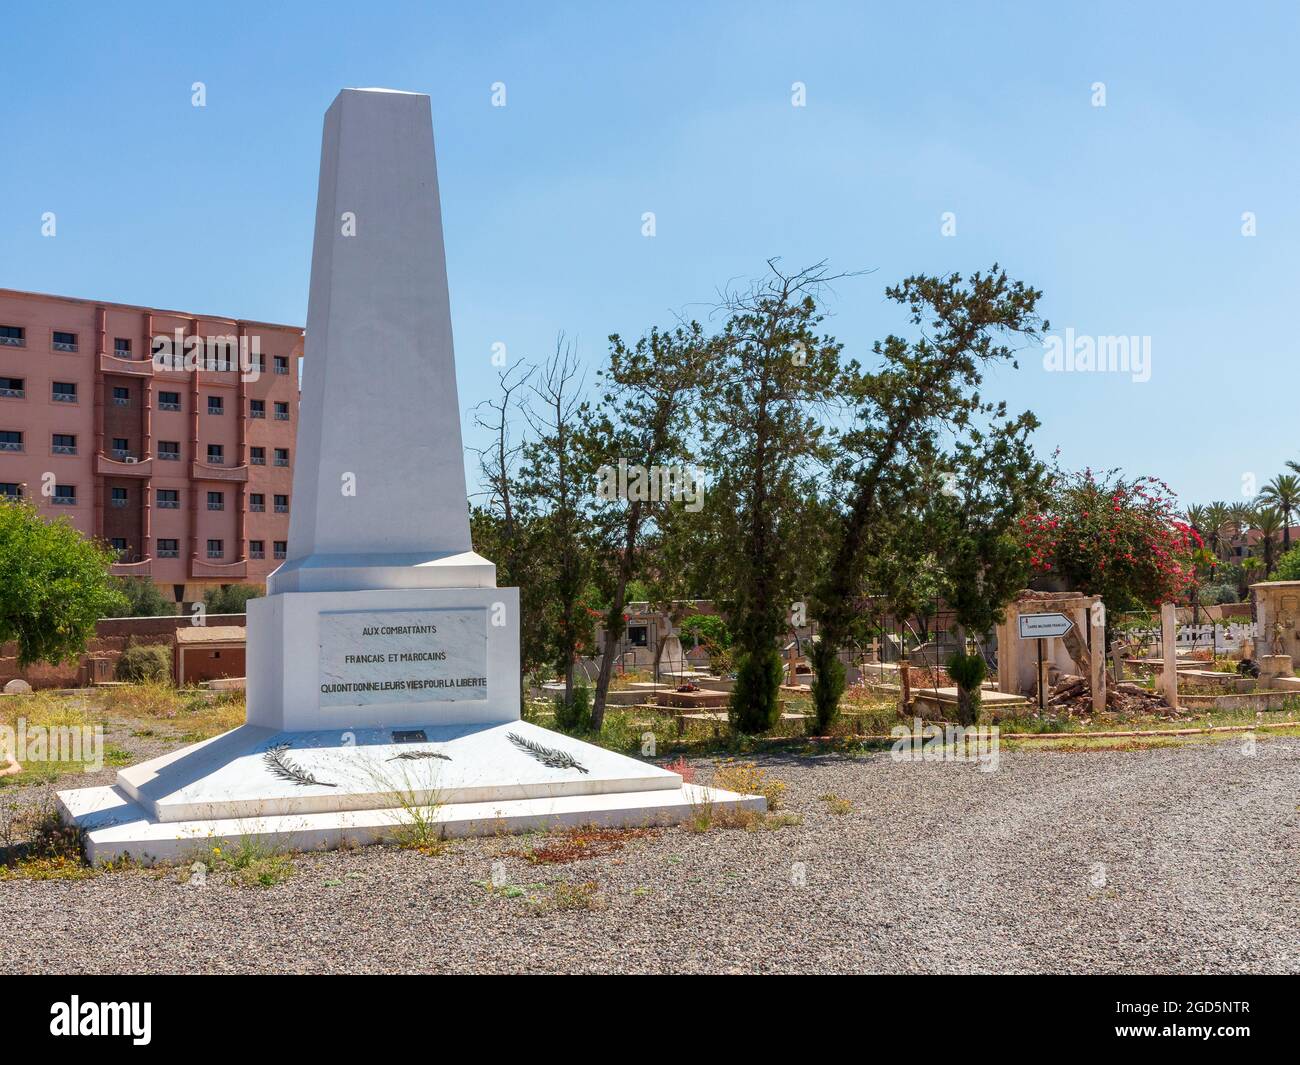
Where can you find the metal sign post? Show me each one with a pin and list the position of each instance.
(1040, 627)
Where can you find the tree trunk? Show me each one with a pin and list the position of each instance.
(614, 623)
(968, 705)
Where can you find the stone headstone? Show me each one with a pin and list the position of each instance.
(17, 686)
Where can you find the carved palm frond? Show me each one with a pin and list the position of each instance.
(551, 757)
(286, 769)
(411, 756)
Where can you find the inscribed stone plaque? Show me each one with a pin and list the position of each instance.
(402, 656)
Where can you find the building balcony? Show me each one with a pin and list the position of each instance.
(108, 467)
(203, 471)
(131, 367)
(218, 571)
(143, 568)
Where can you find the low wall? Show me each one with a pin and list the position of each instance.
(112, 636)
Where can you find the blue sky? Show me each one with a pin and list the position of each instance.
(1127, 216)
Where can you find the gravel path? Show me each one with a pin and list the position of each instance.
(1180, 859)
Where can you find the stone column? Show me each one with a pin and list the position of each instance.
(1008, 652)
(1169, 636)
(1096, 618)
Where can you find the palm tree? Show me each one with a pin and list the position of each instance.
(1283, 493)
(1268, 523)
(1239, 515)
(1195, 517)
(1216, 520)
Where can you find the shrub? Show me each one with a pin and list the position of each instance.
(1219, 592)
(827, 685)
(143, 598)
(745, 778)
(232, 599)
(1288, 569)
(755, 701)
(149, 662)
(574, 714)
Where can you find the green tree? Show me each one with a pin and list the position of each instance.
(1288, 566)
(1283, 492)
(504, 527)
(54, 585)
(230, 598)
(143, 598)
(556, 481)
(652, 388)
(1122, 539)
(984, 562)
(774, 378)
(1268, 525)
(1217, 534)
(923, 389)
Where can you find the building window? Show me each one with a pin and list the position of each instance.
(63, 392)
(256, 502)
(169, 450)
(282, 456)
(216, 549)
(281, 548)
(11, 440)
(282, 412)
(169, 499)
(216, 405)
(281, 364)
(64, 341)
(119, 545)
(169, 401)
(65, 495)
(118, 497)
(121, 448)
(12, 387)
(282, 504)
(168, 548)
(216, 454)
(257, 363)
(257, 456)
(257, 549)
(257, 408)
(216, 501)
(121, 396)
(64, 444)
(13, 336)
(122, 347)
(11, 489)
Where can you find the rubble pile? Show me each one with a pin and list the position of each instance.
(1074, 695)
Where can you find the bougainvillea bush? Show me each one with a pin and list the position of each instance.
(1120, 539)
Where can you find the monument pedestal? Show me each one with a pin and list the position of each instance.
(383, 664)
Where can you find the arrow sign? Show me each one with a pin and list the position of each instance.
(1040, 626)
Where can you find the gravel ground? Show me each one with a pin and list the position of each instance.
(1178, 859)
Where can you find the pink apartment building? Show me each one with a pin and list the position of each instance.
(185, 472)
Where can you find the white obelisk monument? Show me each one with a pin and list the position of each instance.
(383, 663)
(380, 522)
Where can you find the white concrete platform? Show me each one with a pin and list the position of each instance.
(116, 827)
(329, 788)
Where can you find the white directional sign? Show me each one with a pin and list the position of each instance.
(1040, 626)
